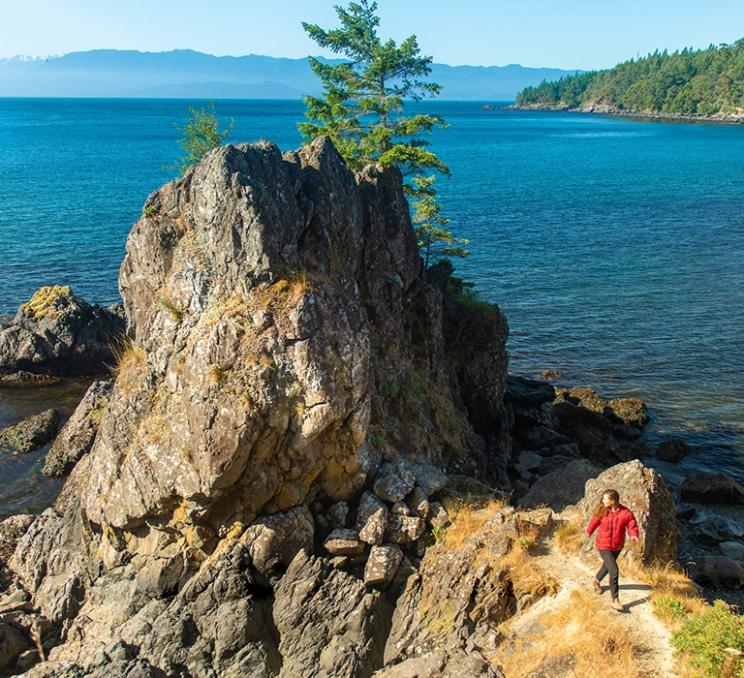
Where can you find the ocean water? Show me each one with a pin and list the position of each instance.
(615, 246)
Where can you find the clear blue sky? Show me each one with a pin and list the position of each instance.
(567, 34)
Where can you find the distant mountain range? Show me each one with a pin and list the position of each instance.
(189, 74)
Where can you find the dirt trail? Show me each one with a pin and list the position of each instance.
(654, 657)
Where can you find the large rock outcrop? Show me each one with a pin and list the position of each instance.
(284, 345)
(58, 333)
(645, 493)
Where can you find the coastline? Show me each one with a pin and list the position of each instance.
(723, 118)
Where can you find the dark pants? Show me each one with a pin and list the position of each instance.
(609, 564)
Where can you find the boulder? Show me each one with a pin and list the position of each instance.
(712, 488)
(58, 333)
(31, 433)
(276, 539)
(77, 435)
(562, 487)
(428, 477)
(672, 449)
(372, 519)
(382, 564)
(344, 542)
(645, 493)
(418, 503)
(394, 481)
(404, 529)
(718, 570)
(329, 623)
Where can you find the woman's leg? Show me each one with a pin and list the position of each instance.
(609, 558)
(602, 572)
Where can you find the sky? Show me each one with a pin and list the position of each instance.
(571, 34)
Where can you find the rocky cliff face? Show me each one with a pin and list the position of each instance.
(284, 345)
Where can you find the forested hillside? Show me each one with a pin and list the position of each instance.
(687, 82)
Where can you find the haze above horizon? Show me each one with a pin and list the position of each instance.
(575, 34)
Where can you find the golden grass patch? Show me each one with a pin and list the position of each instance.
(581, 628)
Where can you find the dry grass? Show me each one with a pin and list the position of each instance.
(527, 577)
(466, 519)
(581, 628)
(569, 536)
(130, 366)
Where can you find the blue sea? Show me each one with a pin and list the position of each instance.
(615, 246)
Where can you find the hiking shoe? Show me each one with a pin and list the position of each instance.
(597, 586)
(617, 605)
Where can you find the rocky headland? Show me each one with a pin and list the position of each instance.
(308, 458)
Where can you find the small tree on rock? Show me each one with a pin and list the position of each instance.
(201, 134)
(434, 239)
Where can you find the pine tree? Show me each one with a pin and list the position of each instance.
(361, 109)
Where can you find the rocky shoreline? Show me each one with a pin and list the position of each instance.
(309, 457)
(604, 109)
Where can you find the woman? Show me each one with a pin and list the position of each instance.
(612, 519)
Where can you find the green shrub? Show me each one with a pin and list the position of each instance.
(704, 637)
(669, 608)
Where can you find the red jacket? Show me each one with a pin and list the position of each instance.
(612, 526)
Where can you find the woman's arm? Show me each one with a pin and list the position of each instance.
(632, 526)
(593, 524)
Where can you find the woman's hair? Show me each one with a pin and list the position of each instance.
(600, 509)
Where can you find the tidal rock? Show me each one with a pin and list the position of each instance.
(372, 519)
(58, 333)
(733, 550)
(629, 411)
(329, 623)
(77, 435)
(276, 539)
(528, 392)
(344, 542)
(394, 481)
(404, 529)
(672, 449)
(382, 564)
(21, 378)
(712, 488)
(718, 570)
(645, 493)
(711, 530)
(32, 432)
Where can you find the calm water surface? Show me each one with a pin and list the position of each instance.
(616, 247)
